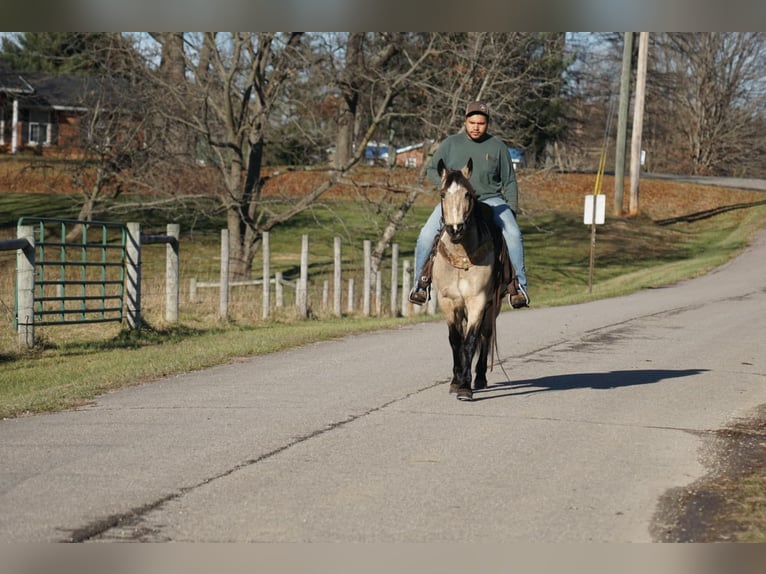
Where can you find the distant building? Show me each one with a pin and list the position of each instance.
(42, 112)
(407, 156)
(378, 154)
(410, 156)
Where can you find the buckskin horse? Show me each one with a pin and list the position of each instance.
(469, 274)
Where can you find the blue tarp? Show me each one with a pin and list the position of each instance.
(373, 151)
(517, 154)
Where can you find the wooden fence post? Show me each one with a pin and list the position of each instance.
(266, 251)
(405, 288)
(350, 295)
(171, 273)
(303, 286)
(223, 307)
(394, 278)
(336, 278)
(279, 289)
(378, 292)
(25, 285)
(133, 275)
(367, 281)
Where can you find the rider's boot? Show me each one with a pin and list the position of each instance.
(419, 294)
(421, 291)
(520, 298)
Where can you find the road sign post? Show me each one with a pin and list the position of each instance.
(593, 214)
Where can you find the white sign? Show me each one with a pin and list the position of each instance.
(600, 210)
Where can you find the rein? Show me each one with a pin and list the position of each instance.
(467, 260)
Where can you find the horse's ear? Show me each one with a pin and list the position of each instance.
(442, 170)
(468, 169)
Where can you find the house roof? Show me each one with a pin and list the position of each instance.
(12, 82)
(60, 92)
(409, 148)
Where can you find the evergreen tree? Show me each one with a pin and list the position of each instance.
(56, 52)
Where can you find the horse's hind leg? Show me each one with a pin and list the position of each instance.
(468, 350)
(485, 343)
(462, 354)
(456, 342)
(480, 381)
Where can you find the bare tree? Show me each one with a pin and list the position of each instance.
(232, 83)
(221, 99)
(114, 143)
(351, 80)
(508, 70)
(236, 86)
(709, 95)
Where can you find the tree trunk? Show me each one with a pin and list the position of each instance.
(344, 143)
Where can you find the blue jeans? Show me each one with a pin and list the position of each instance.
(503, 218)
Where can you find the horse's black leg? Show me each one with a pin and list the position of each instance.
(456, 342)
(468, 352)
(480, 382)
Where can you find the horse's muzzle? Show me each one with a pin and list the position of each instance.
(456, 232)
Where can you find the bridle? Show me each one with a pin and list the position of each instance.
(468, 213)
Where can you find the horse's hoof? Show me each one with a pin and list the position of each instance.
(464, 395)
(454, 388)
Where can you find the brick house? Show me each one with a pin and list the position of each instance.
(42, 112)
(410, 156)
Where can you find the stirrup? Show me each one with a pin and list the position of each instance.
(519, 299)
(419, 295)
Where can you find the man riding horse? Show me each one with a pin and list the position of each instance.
(494, 180)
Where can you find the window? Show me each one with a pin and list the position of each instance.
(39, 127)
(36, 133)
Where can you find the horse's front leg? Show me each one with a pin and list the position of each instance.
(456, 343)
(470, 342)
(480, 381)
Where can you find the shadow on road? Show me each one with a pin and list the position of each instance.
(604, 381)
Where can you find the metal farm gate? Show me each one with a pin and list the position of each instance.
(79, 281)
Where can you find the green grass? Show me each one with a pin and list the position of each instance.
(16, 205)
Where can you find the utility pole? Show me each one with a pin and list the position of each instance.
(638, 121)
(622, 124)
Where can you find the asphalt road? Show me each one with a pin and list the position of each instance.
(594, 412)
(747, 184)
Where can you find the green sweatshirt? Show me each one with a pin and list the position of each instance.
(493, 174)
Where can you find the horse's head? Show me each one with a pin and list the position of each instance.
(457, 199)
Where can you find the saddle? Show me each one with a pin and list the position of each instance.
(504, 273)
